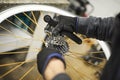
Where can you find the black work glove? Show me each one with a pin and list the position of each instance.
(67, 24)
(45, 55)
(71, 24)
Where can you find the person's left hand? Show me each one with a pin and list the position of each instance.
(45, 55)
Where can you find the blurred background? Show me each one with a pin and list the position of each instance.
(103, 8)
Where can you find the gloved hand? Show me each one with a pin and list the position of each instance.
(45, 55)
(71, 24)
(67, 24)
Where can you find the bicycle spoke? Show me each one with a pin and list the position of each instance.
(34, 21)
(27, 72)
(82, 75)
(19, 52)
(12, 70)
(34, 16)
(16, 25)
(24, 23)
(8, 64)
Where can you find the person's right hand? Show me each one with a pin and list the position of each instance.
(65, 24)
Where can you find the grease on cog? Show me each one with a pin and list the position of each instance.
(57, 42)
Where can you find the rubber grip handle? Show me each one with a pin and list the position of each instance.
(72, 37)
(50, 21)
(53, 23)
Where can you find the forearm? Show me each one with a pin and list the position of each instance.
(55, 70)
(54, 67)
(98, 28)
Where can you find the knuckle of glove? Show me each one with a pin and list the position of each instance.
(68, 23)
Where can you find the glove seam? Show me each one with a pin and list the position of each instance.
(76, 27)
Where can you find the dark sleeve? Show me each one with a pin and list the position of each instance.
(61, 76)
(111, 70)
(99, 28)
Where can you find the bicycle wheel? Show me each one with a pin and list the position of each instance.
(22, 36)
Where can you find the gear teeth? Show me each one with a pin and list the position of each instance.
(58, 43)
